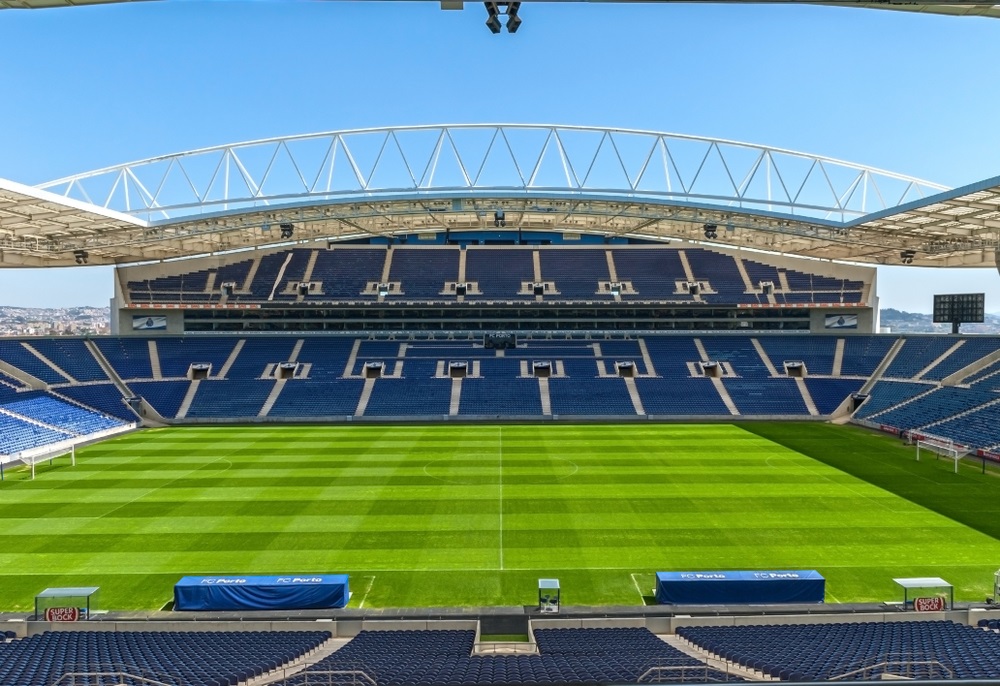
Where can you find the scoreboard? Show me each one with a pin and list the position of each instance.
(959, 308)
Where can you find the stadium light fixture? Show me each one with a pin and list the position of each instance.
(81, 256)
(906, 257)
(493, 16)
(499, 218)
(492, 19)
(287, 230)
(711, 231)
(513, 21)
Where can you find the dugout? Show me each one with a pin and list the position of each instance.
(66, 604)
(305, 592)
(915, 593)
(740, 588)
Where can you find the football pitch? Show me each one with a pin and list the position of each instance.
(473, 515)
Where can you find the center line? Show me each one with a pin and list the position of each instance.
(501, 495)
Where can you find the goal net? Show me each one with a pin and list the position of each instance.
(941, 447)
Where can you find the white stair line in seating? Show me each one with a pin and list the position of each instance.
(882, 366)
(47, 361)
(154, 360)
(543, 392)
(806, 396)
(366, 394)
(188, 399)
(272, 397)
(940, 358)
(633, 393)
(281, 275)
(930, 389)
(838, 358)
(765, 359)
(231, 360)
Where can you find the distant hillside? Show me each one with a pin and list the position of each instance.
(916, 322)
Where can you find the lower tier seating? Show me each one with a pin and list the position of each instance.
(566, 656)
(824, 651)
(196, 658)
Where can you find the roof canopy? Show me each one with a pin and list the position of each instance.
(392, 181)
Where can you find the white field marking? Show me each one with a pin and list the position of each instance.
(371, 582)
(835, 483)
(500, 449)
(156, 488)
(637, 589)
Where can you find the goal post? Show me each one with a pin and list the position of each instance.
(941, 447)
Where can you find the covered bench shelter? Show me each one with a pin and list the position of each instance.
(924, 583)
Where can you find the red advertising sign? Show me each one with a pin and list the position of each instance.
(934, 604)
(62, 614)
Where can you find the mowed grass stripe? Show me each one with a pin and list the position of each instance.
(591, 505)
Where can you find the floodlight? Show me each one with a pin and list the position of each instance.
(492, 20)
(287, 230)
(906, 256)
(711, 230)
(81, 256)
(499, 218)
(513, 21)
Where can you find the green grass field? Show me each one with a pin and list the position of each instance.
(467, 515)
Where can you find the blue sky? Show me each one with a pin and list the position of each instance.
(96, 86)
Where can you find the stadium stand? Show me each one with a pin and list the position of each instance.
(128, 356)
(656, 272)
(196, 658)
(15, 354)
(498, 272)
(565, 656)
(72, 356)
(165, 396)
(326, 380)
(17, 435)
(68, 418)
(798, 652)
(103, 397)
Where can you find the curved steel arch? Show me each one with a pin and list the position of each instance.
(486, 159)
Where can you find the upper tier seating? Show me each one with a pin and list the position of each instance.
(653, 273)
(422, 273)
(343, 272)
(498, 272)
(720, 272)
(397, 658)
(195, 658)
(576, 273)
(807, 652)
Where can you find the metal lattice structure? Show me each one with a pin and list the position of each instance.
(421, 179)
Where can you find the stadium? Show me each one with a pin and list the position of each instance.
(499, 404)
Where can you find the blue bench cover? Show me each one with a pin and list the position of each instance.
(739, 588)
(304, 592)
